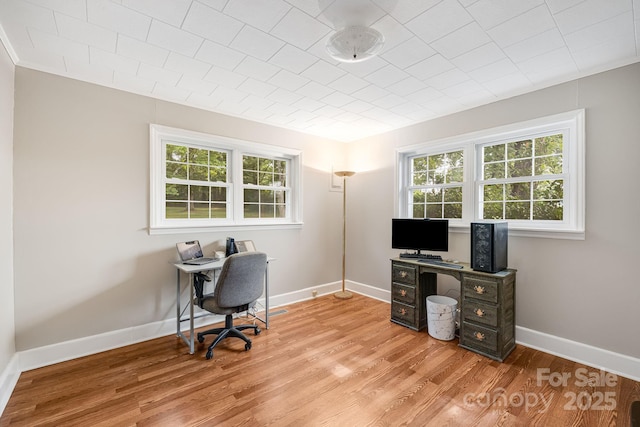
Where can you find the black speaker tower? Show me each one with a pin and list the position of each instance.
(489, 246)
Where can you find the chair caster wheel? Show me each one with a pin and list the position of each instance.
(200, 339)
(247, 346)
(209, 354)
(257, 331)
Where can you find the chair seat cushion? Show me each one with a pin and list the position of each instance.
(209, 303)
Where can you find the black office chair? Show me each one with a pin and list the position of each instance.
(239, 285)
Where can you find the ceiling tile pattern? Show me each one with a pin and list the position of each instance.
(265, 60)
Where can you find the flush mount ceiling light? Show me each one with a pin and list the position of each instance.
(355, 43)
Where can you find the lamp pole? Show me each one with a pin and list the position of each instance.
(344, 294)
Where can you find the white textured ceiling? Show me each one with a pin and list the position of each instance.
(264, 60)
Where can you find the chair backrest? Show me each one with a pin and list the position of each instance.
(241, 280)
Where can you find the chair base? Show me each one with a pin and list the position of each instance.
(229, 331)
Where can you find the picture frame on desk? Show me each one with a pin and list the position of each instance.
(245, 246)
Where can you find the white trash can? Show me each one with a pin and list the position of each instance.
(441, 317)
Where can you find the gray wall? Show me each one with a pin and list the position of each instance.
(81, 204)
(584, 291)
(81, 188)
(7, 329)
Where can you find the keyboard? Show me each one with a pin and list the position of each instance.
(441, 263)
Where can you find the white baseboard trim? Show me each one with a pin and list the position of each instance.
(598, 358)
(8, 380)
(595, 357)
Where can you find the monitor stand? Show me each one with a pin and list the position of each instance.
(418, 255)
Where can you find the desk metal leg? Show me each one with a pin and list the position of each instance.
(266, 297)
(188, 341)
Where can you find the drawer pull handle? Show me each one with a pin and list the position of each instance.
(403, 274)
(479, 312)
(479, 336)
(479, 289)
(403, 311)
(403, 293)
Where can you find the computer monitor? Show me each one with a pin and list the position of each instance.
(420, 234)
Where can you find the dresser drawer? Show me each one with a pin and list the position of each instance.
(404, 274)
(480, 338)
(403, 293)
(480, 289)
(478, 312)
(403, 313)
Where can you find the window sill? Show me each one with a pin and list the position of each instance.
(221, 228)
(543, 233)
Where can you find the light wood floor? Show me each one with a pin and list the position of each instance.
(325, 362)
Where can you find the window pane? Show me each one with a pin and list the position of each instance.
(434, 210)
(218, 174)
(419, 196)
(419, 164)
(517, 210)
(280, 180)
(434, 195)
(266, 178)
(551, 165)
(250, 178)
(549, 190)
(520, 149)
(456, 159)
(494, 192)
(517, 168)
(176, 153)
(267, 196)
(267, 211)
(176, 192)
(176, 210)
(218, 210)
(419, 178)
(251, 210)
(198, 173)
(198, 156)
(280, 166)
(265, 165)
(200, 210)
(218, 159)
(250, 163)
(218, 194)
(549, 145)
(455, 175)
(436, 162)
(453, 194)
(494, 170)
(176, 170)
(200, 193)
(251, 195)
(453, 210)
(435, 177)
(281, 211)
(493, 153)
(492, 210)
(548, 211)
(518, 191)
(418, 211)
(280, 196)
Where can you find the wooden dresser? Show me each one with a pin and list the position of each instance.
(487, 303)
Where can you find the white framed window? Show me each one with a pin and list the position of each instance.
(201, 182)
(530, 174)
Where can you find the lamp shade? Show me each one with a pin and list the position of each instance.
(355, 43)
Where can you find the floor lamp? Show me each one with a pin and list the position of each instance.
(344, 294)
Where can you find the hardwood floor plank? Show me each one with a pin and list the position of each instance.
(324, 362)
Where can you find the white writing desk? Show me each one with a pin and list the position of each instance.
(191, 270)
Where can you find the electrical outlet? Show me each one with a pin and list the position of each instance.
(314, 293)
